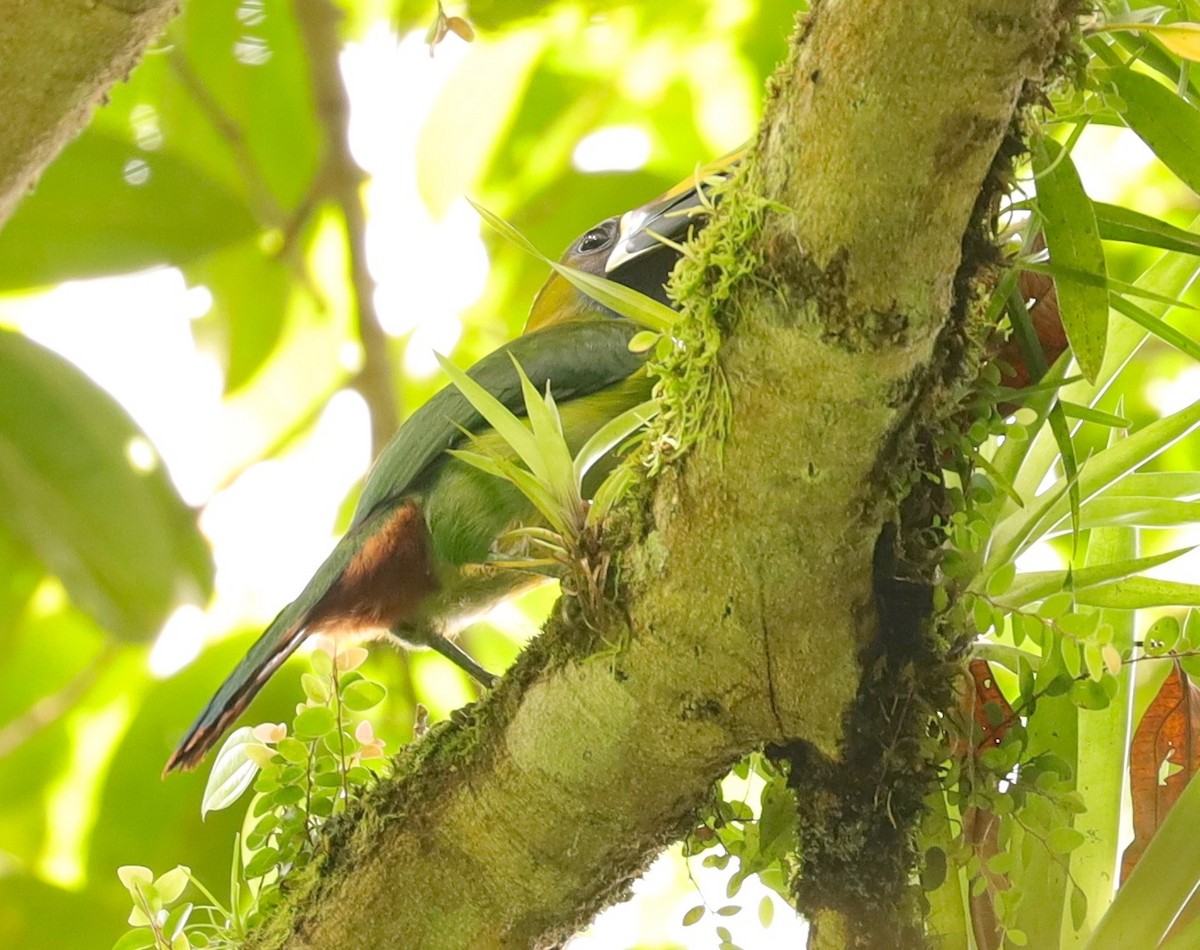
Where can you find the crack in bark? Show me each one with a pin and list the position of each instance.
(766, 638)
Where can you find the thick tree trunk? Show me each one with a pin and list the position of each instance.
(830, 271)
(57, 60)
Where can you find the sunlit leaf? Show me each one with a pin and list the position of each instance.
(1133, 227)
(1074, 242)
(164, 210)
(1166, 122)
(82, 488)
(617, 297)
(1182, 39)
(232, 772)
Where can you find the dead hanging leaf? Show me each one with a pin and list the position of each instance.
(991, 716)
(1164, 755)
(992, 713)
(443, 25)
(981, 830)
(1041, 298)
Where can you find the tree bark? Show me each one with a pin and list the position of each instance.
(829, 272)
(58, 58)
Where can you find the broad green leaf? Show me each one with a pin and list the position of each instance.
(455, 150)
(362, 695)
(1074, 242)
(132, 876)
(1135, 593)
(104, 207)
(1133, 227)
(250, 68)
(314, 722)
(171, 884)
(1169, 124)
(140, 939)
(1160, 328)
(232, 772)
(1171, 485)
(1108, 512)
(82, 488)
(251, 292)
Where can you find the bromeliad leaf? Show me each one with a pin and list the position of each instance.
(612, 434)
(1166, 122)
(1038, 585)
(1136, 593)
(1074, 242)
(1160, 328)
(518, 436)
(647, 311)
(1015, 533)
(1133, 227)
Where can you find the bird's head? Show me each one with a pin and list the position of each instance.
(638, 249)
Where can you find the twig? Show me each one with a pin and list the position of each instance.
(341, 179)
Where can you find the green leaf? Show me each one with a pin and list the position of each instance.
(1074, 242)
(315, 687)
(362, 695)
(116, 533)
(172, 883)
(1161, 883)
(1135, 593)
(140, 939)
(693, 915)
(1133, 227)
(623, 300)
(1016, 532)
(312, 722)
(132, 876)
(1160, 328)
(766, 911)
(65, 229)
(612, 434)
(1073, 410)
(232, 772)
(1162, 636)
(511, 429)
(1163, 120)
(1036, 585)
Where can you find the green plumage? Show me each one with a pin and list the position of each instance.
(593, 375)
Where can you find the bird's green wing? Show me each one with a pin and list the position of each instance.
(576, 358)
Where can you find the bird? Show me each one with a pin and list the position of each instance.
(425, 522)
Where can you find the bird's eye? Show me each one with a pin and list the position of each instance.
(598, 238)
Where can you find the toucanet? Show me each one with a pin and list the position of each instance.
(414, 562)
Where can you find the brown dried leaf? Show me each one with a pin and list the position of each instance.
(1164, 755)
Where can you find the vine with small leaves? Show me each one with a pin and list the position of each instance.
(302, 775)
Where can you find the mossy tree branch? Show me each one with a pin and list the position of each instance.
(57, 60)
(830, 271)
